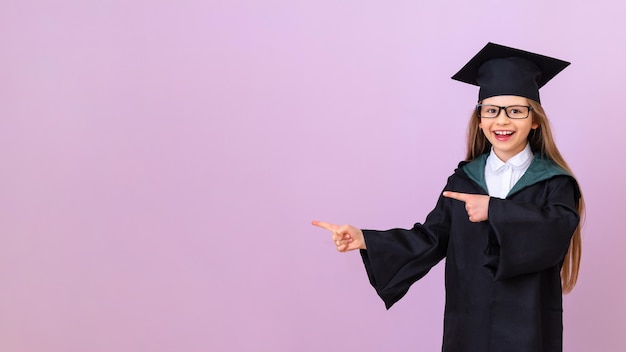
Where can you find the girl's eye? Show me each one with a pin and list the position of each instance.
(518, 111)
(491, 111)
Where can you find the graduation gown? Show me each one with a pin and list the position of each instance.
(503, 283)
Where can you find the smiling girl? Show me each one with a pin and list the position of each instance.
(508, 221)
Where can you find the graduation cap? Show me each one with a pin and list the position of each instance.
(501, 70)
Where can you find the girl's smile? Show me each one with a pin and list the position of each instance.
(503, 135)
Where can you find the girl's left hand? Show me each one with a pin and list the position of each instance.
(476, 205)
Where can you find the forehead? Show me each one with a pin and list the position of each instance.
(505, 100)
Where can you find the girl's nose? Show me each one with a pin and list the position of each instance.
(502, 119)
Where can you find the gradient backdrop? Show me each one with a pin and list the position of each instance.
(161, 162)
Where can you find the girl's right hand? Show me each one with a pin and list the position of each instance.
(346, 237)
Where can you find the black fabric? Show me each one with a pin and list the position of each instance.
(508, 76)
(502, 70)
(503, 288)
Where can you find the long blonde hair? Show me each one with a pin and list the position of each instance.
(541, 141)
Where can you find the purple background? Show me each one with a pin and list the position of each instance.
(161, 162)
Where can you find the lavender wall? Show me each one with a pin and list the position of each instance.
(161, 162)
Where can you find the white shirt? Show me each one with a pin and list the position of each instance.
(501, 177)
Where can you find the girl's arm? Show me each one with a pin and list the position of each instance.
(396, 258)
(532, 238)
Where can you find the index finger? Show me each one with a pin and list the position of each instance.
(456, 195)
(324, 225)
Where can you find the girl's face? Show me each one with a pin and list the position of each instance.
(507, 136)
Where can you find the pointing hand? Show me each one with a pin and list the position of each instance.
(346, 237)
(476, 205)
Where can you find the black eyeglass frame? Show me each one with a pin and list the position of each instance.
(506, 112)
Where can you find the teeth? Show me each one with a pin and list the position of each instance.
(504, 132)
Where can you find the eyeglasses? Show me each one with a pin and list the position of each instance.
(512, 111)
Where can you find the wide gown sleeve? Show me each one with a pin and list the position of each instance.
(530, 237)
(396, 258)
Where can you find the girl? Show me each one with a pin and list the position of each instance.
(507, 222)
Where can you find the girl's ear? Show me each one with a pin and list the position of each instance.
(535, 124)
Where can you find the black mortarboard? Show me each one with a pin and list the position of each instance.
(500, 70)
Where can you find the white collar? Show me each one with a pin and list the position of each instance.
(520, 160)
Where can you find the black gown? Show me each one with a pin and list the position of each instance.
(503, 284)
